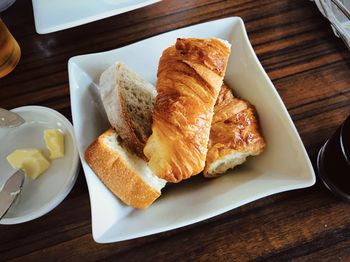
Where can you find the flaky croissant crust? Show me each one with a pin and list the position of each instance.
(190, 75)
(234, 129)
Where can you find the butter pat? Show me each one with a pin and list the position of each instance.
(31, 161)
(54, 140)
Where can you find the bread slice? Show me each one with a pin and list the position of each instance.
(234, 134)
(126, 175)
(128, 101)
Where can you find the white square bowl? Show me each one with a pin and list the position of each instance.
(284, 165)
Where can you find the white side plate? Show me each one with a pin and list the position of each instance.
(55, 15)
(43, 194)
(284, 165)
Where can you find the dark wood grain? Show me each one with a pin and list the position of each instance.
(310, 68)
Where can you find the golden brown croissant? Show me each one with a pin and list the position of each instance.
(190, 76)
(234, 134)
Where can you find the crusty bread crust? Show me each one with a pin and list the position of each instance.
(119, 177)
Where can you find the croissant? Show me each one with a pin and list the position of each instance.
(190, 75)
(234, 134)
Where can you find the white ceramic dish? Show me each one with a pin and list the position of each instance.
(56, 15)
(39, 196)
(283, 166)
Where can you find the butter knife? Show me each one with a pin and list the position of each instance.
(10, 191)
(10, 119)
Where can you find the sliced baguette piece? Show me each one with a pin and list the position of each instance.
(234, 134)
(128, 101)
(126, 175)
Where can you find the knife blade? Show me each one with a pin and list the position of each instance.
(10, 119)
(10, 191)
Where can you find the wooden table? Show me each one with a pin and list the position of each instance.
(310, 68)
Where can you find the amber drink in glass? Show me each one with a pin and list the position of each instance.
(10, 51)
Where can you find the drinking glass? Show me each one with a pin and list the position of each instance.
(333, 162)
(10, 51)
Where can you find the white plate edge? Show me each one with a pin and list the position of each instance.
(50, 29)
(66, 189)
